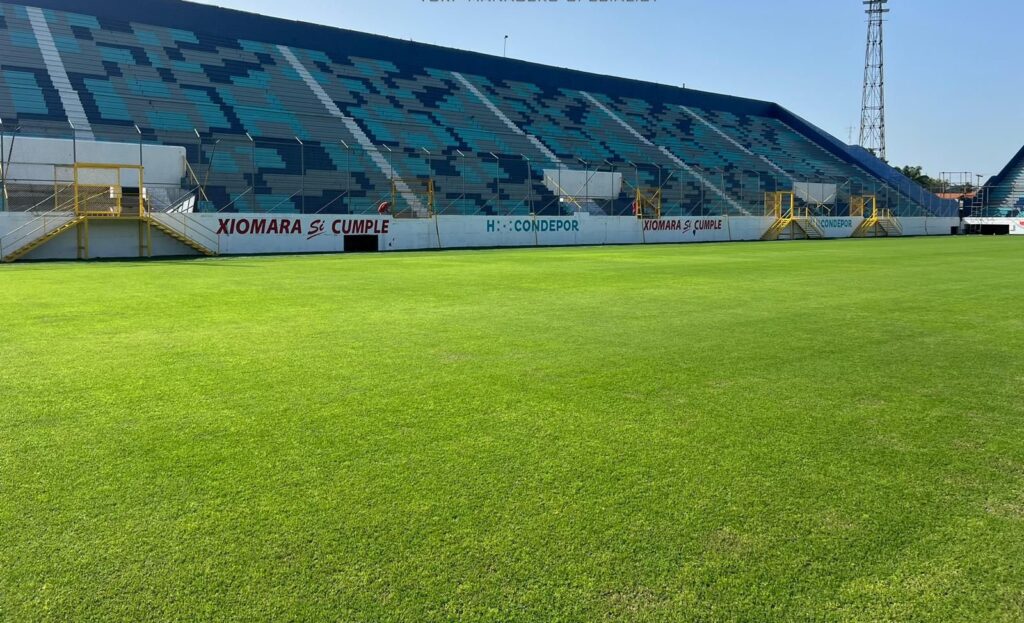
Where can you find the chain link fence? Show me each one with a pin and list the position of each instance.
(336, 175)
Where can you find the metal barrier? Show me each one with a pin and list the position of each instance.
(327, 175)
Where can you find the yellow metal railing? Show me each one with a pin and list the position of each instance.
(564, 195)
(428, 194)
(20, 240)
(189, 231)
(864, 206)
(876, 221)
(97, 190)
(422, 189)
(779, 204)
(97, 200)
(647, 204)
(889, 221)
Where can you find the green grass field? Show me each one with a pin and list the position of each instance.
(810, 431)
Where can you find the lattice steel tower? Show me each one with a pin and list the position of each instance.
(872, 112)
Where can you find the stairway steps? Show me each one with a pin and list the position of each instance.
(168, 231)
(25, 249)
(875, 227)
(811, 231)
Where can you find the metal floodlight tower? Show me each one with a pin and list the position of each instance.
(872, 114)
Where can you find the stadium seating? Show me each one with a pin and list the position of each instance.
(1005, 196)
(284, 128)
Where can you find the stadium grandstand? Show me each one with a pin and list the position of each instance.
(997, 206)
(286, 118)
(1004, 193)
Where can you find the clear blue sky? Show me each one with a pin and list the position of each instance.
(954, 98)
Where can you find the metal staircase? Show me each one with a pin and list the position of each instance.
(791, 222)
(795, 228)
(23, 240)
(877, 223)
(83, 202)
(177, 226)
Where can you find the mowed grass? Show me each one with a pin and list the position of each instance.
(820, 431)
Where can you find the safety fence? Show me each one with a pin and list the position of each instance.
(334, 175)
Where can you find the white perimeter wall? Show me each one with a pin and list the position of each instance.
(263, 233)
(250, 234)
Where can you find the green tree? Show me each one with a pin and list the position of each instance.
(917, 174)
